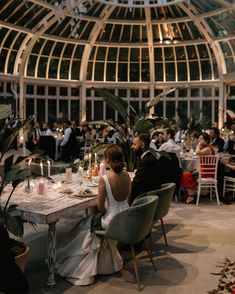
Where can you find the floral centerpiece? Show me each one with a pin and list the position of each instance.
(227, 280)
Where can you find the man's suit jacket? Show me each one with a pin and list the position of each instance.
(148, 176)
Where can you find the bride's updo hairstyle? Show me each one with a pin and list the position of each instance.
(113, 155)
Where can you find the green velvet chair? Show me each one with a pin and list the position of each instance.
(131, 226)
(165, 195)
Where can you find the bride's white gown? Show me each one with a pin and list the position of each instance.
(77, 257)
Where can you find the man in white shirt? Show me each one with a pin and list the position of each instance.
(45, 130)
(170, 145)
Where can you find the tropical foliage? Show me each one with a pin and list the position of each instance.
(138, 122)
(14, 172)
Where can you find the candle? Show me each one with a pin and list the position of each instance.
(49, 168)
(41, 165)
(102, 169)
(21, 139)
(95, 158)
(29, 163)
(68, 175)
(89, 159)
(41, 188)
(95, 171)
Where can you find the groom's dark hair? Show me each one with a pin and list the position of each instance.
(145, 138)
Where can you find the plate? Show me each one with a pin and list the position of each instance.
(83, 195)
(93, 185)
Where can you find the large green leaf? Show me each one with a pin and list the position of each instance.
(14, 224)
(16, 174)
(143, 125)
(157, 99)
(114, 102)
(8, 163)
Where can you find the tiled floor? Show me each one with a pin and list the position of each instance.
(199, 238)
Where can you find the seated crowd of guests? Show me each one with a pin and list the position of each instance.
(170, 141)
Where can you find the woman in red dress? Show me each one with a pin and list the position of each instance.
(188, 181)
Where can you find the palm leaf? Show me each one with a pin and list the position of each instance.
(114, 102)
(143, 125)
(157, 99)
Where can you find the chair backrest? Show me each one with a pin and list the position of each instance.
(208, 166)
(132, 225)
(48, 144)
(165, 195)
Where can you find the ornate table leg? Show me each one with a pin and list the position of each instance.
(51, 254)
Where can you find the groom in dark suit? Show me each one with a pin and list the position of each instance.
(148, 174)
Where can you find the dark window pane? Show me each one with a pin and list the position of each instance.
(111, 72)
(134, 72)
(53, 69)
(122, 72)
(63, 109)
(42, 67)
(110, 113)
(145, 73)
(52, 91)
(206, 69)
(170, 109)
(31, 65)
(98, 110)
(41, 110)
(170, 71)
(158, 72)
(182, 71)
(99, 71)
(88, 110)
(64, 69)
(52, 111)
(29, 107)
(75, 106)
(194, 70)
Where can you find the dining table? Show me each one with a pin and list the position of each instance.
(46, 202)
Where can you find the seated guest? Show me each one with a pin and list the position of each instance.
(69, 143)
(225, 168)
(188, 179)
(148, 175)
(30, 139)
(179, 135)
(229, 145)
(37, 130)
(45, 130)
(215, 140)
(79, 259)
(170, 145)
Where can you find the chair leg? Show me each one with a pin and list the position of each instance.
(210, 193)
(224, 188)
(217, 195)
(150, 238)
(150, 255)
(136, 267)
(198, 194)
(163, 230)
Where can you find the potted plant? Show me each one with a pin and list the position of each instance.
(141, 122)
(10, 220)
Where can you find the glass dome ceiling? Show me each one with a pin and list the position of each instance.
(118, 40)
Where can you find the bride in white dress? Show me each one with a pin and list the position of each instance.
(78, 258)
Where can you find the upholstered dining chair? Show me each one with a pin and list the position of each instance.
(165, 195)
(131, 226)
(208, 166)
